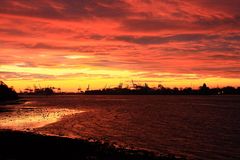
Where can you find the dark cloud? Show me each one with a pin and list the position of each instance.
(11, 31)
(96, 37)
(145, 81)
(166, 39)
(216, 22)
(93, 49)
(31, 76)
(208, 46)
(233, 38)
(24, 76)
(150, 25)
(225, 57)
(62, 9)
(46, 46)
(163, 24)
(218, 70)
(230, 6)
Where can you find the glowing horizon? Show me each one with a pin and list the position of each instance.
(71, 44)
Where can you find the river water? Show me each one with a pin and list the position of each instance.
(197, 127)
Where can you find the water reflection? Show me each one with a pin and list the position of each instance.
(28, 118)
(198, 127)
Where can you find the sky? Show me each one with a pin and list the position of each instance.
(71, 44)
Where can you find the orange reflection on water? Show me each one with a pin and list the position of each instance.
(27, 119)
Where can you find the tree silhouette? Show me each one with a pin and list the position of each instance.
(7, 93)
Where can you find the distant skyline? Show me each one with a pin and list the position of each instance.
(73, 43)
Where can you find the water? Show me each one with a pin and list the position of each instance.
(198, 127)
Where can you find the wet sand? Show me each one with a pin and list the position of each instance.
(17, 145)
(29, 118)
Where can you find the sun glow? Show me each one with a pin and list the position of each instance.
(65, 71)
(78, 56)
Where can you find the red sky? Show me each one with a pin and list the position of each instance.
(74, 43)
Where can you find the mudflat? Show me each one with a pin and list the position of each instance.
(16, 145)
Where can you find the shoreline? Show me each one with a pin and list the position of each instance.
(4, 104)
(20, 145)
(13, 102)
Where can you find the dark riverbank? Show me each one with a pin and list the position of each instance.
(22, 145)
